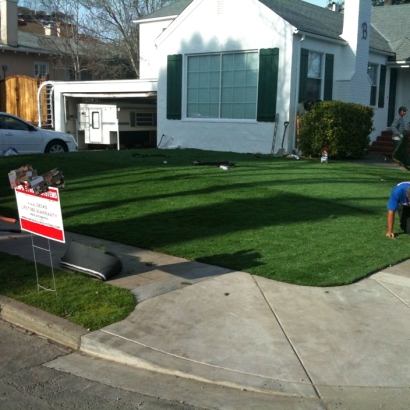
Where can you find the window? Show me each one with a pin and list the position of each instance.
(222, 85)
(314, 80)
(316, 76)
(11, 123)
(95, 119)
(40, 69)
(143, 119)
(372, 73)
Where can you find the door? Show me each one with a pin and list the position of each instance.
(20, 135)
(95, 126)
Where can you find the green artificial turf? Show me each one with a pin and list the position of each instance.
(300, 222)
(76, 297)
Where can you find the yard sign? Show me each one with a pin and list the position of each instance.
(40, 214)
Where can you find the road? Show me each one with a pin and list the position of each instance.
(26, 384)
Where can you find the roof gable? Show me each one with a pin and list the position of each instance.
(393, 22)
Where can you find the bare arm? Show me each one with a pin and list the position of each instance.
(390, 224)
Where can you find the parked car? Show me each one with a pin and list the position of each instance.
(27, 138)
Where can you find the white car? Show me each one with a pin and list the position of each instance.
(28, 139)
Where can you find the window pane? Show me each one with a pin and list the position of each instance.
(314, 65)
(192, 95)
(239, 94)
(252, 62)
(237, 111)
(226, 111)
(239, 78)
(240, 61)
(215, 63)
(372, 73)
(227, 79)
(227, 62)
(203, 95)
(250, 94)
(204, 79)
(250, 111)
(203, 110)
(192, 111)
(193, 80)
(313, 89)
(193, 64)
(252, 77)
(227, 95)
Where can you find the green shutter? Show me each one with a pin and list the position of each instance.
(268, 84)
(132, 119)
(304, 65)
(174, 87)
(392, 95)
(328, 91)
(382, 85)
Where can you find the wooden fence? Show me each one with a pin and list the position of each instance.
(18, 96)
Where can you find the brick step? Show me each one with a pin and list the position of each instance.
(383, 145)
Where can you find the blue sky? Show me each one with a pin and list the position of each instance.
(322, 3)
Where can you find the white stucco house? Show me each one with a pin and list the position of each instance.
(225, 68)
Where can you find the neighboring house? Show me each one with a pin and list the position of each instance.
(23, 47)
(226, 68)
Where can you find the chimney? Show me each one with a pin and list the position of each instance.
(336, 7)
(356, 31)
(9, 24)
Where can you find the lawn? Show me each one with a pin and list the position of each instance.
(300, 222)
(89, 303)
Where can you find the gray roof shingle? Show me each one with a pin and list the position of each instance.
(393, 22)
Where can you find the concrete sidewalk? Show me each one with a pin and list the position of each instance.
(301, 347)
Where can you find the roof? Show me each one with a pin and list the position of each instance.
(300, 14)
(393, 22)
(27, 42)
(174, 9)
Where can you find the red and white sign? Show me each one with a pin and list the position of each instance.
(40, 214)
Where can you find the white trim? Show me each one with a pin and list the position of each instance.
(155, 19)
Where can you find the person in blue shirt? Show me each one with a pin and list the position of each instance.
(399, 201)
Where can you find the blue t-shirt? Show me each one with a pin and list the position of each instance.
(398, 196)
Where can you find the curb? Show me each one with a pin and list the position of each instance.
(57, 329)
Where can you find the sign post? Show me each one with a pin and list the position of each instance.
(40, 214)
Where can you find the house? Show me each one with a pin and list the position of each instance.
(21, 52)
(226, 68)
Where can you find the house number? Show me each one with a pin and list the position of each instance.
(364, 30)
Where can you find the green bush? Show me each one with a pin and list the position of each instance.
(343, 128)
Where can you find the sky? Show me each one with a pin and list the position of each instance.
(322, 3)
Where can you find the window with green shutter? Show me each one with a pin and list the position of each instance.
(328, 89)
(382, 86)
(303, 74)
(174, 87)
(268, 84)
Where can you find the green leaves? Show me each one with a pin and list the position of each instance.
(343, 128)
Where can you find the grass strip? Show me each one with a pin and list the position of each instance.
(80, 299)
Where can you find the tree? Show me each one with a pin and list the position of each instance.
(111, 21)
(98, 35)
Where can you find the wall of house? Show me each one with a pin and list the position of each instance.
(23, 64)
(201, 29)
(403, 95)
(149, 32)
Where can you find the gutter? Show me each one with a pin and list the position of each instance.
(319, 37)
(153, 20)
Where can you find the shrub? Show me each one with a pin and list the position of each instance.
(343, 128)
